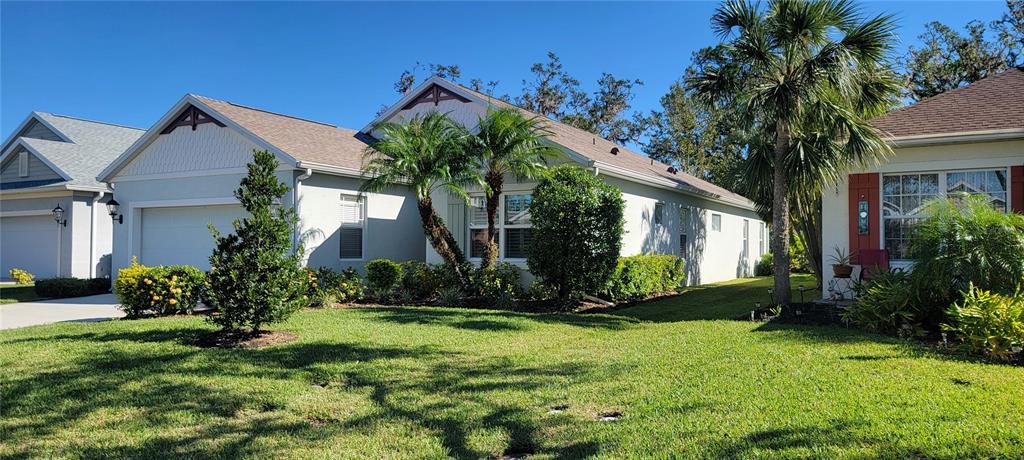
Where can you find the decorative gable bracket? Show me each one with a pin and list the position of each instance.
(434, 94)
(193, 117)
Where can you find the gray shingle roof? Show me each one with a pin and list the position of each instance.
(94, 145)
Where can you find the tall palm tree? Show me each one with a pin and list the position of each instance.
(507, 142)
(427, 154)
(805, 72)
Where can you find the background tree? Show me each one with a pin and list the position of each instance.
(577, 231)
(949, 59)
(795, 67)
(254, 271)
(507, 143)
(705, 141)
(427, 154)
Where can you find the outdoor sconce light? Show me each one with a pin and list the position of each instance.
(112, 207)
(58, 216)
(862, 216)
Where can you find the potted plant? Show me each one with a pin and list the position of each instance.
(841, 267)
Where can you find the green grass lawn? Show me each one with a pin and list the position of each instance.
(434, 382)
(12, 293)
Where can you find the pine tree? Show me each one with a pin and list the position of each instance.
(255, 276)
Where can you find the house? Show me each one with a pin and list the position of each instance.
(969, 139)
(181, 174)
(49, 163)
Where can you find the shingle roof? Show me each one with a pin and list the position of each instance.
(599, 149)
(992, 103)
(302, 139)
(94, 145)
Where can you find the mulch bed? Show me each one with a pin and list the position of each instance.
(245, 339)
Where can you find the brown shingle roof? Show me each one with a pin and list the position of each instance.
(995, 102)
(599, 149)
(304, 140)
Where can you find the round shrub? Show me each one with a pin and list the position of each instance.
(422, 281)
(162, 290)
(577, 232)
(383, 276)
(21, 276)
(764, 265)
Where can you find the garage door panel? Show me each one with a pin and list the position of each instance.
(179, 235)
(29, 243)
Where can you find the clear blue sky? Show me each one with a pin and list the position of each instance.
(127, 63)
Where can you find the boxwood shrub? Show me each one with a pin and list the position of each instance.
(638, 277)
(382, 277)
(71, 287)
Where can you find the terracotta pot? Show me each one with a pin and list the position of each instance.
(842, 271)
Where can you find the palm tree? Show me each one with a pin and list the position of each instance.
(507, 143)
(805, 73)
(426, 154)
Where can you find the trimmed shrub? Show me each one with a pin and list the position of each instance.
(764, 265)
(383, 276)
(639, 277)
(989, 323)
(21, 276)
(161, 290)
(71, 287)
(577, 232)
(422, 281)
(255, 277)
(499, 286)
(886, 304)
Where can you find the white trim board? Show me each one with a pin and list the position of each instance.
(35, 212)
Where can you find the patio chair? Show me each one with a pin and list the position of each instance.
(872, 262)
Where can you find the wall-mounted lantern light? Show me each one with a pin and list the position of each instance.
(58, 216)
(112, 208)
(862, 216)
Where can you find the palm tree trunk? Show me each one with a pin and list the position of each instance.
(442, 239)
(495, 181)
(780, 216)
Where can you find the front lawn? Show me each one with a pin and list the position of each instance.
(13, 293)
(433, 382)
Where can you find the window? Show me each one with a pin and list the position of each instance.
(22, 164)
(682, 246)
(746, 236)
(760, 238)
(659, 213)
(351, 231)
(513, 225)
(905, 195)
(716, 222)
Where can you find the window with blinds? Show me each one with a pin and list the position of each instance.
(352, 223)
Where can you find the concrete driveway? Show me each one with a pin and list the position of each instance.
(79, 309)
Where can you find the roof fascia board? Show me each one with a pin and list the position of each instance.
(332, 170)
(957, 137)
(38, 155)
(625, 174)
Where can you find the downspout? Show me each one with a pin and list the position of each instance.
(92, 235)
(296, 201)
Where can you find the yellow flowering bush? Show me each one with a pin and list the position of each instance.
(163, 290)
(21, 276)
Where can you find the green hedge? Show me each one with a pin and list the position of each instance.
(163, 290)
(71, 287)
(383, 276)
(638, 277)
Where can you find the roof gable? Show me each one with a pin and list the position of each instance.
(990, 104)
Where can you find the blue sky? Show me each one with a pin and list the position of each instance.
(127, 63)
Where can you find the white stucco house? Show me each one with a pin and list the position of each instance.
(48, 163)
(969, 139)
(180, 175)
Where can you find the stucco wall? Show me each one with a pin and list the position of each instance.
(835, 200)
(392, 228)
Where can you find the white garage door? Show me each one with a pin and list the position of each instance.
(29, 243)
(179, 235)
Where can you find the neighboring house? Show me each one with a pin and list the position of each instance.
(181, 174)
(667, 211)
(49, 162)
(969, 139)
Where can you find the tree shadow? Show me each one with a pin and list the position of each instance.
(231, 393)
(494, 320)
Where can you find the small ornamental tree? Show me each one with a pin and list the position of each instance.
(577, 232)
(255, 277)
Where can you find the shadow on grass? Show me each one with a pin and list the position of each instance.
(230, 396)
(493, 320)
